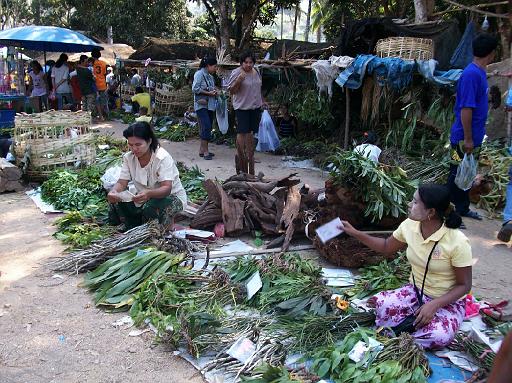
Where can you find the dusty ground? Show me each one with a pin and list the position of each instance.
(50, 330)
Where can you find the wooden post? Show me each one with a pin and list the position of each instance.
(347, 117)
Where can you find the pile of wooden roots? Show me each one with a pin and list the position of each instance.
(10, 177)
(245, 203)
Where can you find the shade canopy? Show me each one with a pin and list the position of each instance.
(48, 39)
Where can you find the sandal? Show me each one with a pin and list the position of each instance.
(499, 311)
(505, 232)
(209, 156)
(473, 215)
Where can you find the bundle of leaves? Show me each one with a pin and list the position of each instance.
(334, 363)
(192, 180)
(384, 189)
(118, 279)
(387, 275)
(71, 190)
(291, 285)
(113, 156)
(177, 132)
(79, 235)
(267, 373)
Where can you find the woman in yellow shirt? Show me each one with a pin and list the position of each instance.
(431, 231)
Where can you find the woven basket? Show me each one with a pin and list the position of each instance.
(407, 48)
(170, 102)
(44, 142)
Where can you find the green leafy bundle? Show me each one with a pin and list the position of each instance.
(384, 189)
(290, 284)
(116, 280)
(192, 180)
(387, 275)
(69, 190)
(333, 363)
(177, 132)
(81, 235)
(267, 373)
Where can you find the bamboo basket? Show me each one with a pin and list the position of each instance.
(407, 48)
(44, 142)
(169, 102)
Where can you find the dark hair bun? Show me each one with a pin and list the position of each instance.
(453, 220)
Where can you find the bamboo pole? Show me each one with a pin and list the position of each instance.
(347, 117)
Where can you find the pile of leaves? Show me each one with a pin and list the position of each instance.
(116, 280)
(291, 285)
(385, 190)
(121, 115)
(318, 150)
(177, 132)
(192, 180)
(387, 275)
(74, 190)
(113, 156)
(74, 229)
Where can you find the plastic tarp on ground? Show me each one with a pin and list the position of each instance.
(49, 39)
(361, 36)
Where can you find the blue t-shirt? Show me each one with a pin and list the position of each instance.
(472, 92)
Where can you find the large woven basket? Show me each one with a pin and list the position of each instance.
(407, 48)
(44, 142)
(170, 102)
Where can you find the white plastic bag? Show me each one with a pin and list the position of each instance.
(109, 179)
(268, 141)
(221, 112)
(466, 172)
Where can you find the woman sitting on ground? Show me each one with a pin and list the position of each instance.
(158, 192)
(431, 231)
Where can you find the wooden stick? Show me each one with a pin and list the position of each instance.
(475, 6)
(347, 117)
(257, 252)
(476, 10)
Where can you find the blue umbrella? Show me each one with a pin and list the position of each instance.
(47, 39)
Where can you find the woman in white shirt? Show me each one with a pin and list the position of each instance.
(60, 81)
(37, 80)
(156, 193)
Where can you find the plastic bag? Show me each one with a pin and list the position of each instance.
(466, 172)
(221, 112)
(268, 141)
(109, 179)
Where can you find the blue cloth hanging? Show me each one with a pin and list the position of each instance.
(463, 54)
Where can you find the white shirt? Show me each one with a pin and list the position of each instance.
(370, 151)
(161, 167)
(39, 86)
(61, 75)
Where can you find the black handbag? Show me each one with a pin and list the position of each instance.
(407, 325)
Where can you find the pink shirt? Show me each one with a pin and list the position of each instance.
(249, 94)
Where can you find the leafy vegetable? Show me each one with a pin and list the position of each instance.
(192, 180)
(176, 132)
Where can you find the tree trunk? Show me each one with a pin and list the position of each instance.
(308, 21)
(430, 8)
(297, 13)
(224, 25)
(319, 34)
(420, 11)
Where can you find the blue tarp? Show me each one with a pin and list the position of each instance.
(48, 39)
(463, 55)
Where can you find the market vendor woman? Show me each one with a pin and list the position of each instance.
(158, 191)
(431, 231)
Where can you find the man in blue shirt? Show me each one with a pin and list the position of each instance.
(471, 109)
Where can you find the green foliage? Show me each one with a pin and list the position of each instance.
(290, 284)
(69, 190)
(177, 132)
(81, 235)
(116, 280)
(177, 78)
(270, 374)
(386, 190)
(387, 275)
(192, 180)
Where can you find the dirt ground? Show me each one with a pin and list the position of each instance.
(50, 330)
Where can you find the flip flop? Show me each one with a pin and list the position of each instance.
(208, 157)
(202, 154)
(505, 232)
(473, 215)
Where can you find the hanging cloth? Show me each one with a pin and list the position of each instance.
(463, 54)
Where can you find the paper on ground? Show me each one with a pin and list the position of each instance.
(35, 195)
(237, 246)
(242, 350)
(253, 285)
(330, 230)
(459, 359)
(194, 233)
(338, 277)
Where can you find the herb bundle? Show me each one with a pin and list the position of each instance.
(192, 181)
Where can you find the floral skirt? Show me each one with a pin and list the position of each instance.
(393, 306)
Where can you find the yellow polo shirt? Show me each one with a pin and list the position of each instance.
(452, 250)
(143, 99)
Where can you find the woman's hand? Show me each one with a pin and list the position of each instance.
(112, 197)
(348, 228)
(142, 197)
(425, 314)
(241, 76)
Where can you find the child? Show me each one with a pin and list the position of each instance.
(286, 123)
(143, 115)
(369, 148)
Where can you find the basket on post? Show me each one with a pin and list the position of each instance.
(173, 102)
(406, 48)
(44, 142)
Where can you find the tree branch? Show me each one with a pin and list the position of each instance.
(211, 13)
(476, 10)
(250, 25)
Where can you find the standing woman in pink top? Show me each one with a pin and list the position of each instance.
(245, 88)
